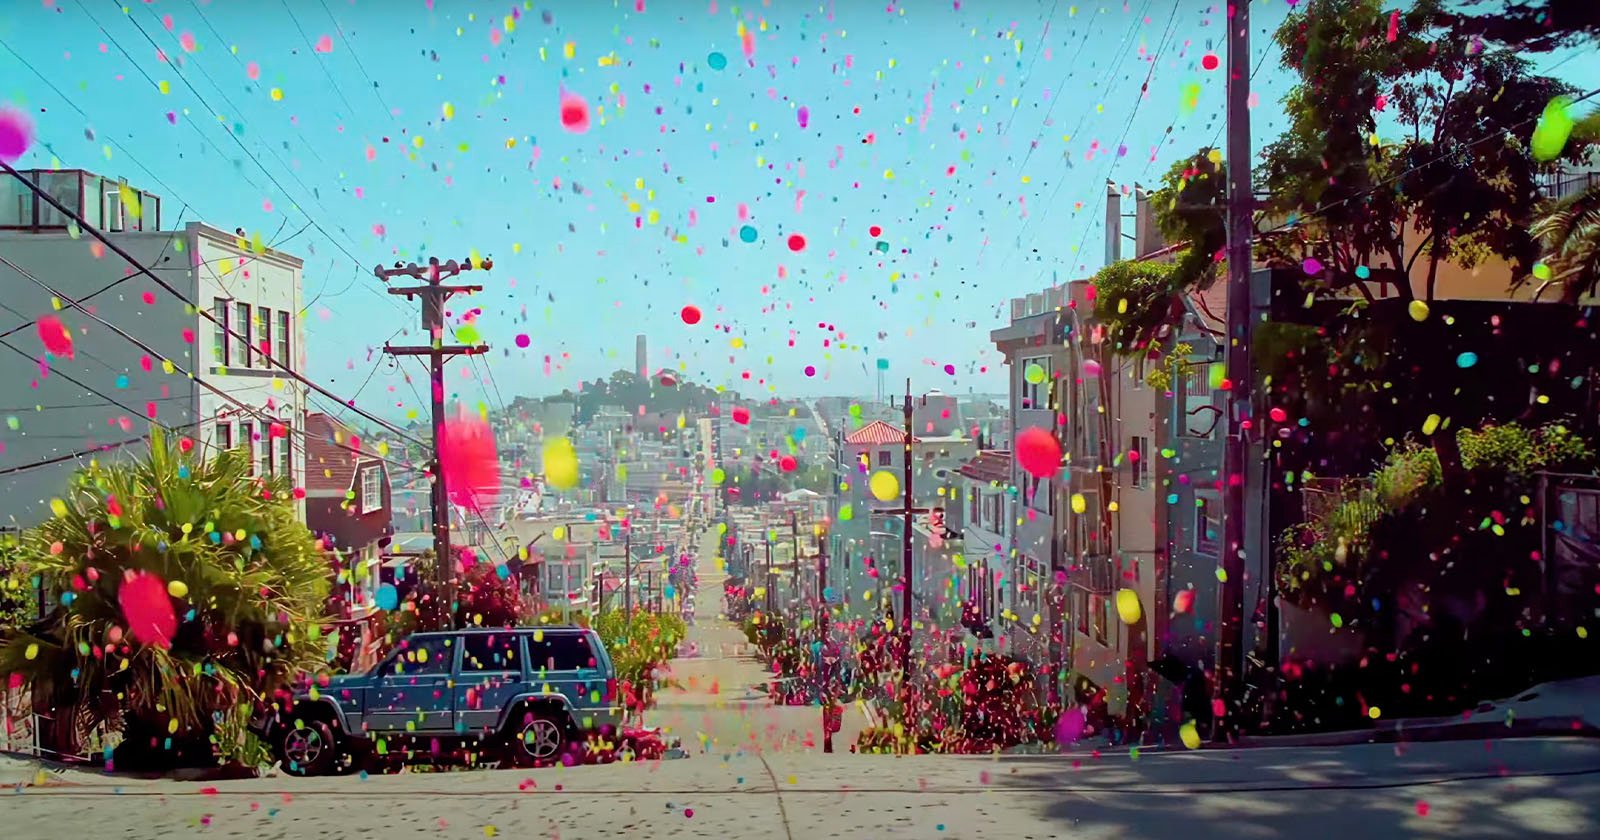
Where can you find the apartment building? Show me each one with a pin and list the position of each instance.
(104, 397)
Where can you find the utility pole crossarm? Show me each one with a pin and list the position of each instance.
(444, 349)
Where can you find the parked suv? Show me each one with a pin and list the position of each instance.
(524, 695)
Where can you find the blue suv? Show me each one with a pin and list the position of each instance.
(525, 696)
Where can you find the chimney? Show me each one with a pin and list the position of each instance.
(1113, 223)
(1145, 238)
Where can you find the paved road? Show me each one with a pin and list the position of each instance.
(714, 707)
(1506, 789)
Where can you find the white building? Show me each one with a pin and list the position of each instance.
(106, 396)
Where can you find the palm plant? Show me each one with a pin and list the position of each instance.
(246, 581)
(1569, 232)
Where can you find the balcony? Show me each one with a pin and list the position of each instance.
(1095, 575)
(98, 201)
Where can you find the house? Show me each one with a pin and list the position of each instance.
(985, 501)
(226, 391)
(866, 536)
(349, 507)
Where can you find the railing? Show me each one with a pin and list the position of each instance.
(1563, 184)
(1095, 575)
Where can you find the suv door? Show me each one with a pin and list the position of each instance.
(564, 662)
(490, 674)
(411, 692)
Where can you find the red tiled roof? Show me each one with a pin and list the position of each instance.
(329, 467)
(990, 466)
(876, 433)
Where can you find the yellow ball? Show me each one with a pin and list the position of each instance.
(561, 464)
(884, 486)
(1128, 607)
(1190, 735)
(177, 588)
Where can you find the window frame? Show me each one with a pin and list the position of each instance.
(221, 344)
(1029, 391)
(375, 473)
(284, 345)
(247, 442)
(885, 457)
(285, 455)
(267, 463)
(264, 318)
(399, 655)
(223, 429)
(1140, 466)
(244, 344)
(1201, 544)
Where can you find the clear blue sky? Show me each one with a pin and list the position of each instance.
(921, 120)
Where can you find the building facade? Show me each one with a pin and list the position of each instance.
(102, 400)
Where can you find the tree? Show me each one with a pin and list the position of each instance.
(188, 591)
(1458, 183)
(1529, 25)
(1569, 231)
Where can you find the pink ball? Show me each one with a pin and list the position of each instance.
(1070, 726)
(469, 462)
(574, 113)
(148, 609)
(55, 336)
(1038, 452)
(16, 134)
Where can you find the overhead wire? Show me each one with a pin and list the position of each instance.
(157, 354)
(203, 312)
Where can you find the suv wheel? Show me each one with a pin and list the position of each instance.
(307, 748)
(538, 738)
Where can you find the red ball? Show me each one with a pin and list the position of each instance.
(741, 415)
(787, 463)
(148, 609)
(691, 314)
(1038, 452)
(874, 231)
(797, 242)
(1210, 61)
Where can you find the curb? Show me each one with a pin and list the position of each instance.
(1429, 731)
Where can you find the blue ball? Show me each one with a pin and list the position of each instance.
(387, 598)
(717, 61)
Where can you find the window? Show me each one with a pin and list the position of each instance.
(1139, 460)
(1097, 614)
(549, 651)
(885, 458)
(283, 338)
(111, 206)
(419, 657)
(224, 438)
(1030, 584)
(286, 455)
(1205, 527)
(974, 499)
(1200, 419)
(241, 326)
(247, 442)
(1080, 610)
(264, 329)
(1035, 394)
(371, 489)
(267, 461)
(1139, 371)
(490, 652)
(219, 331)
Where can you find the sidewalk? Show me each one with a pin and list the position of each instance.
(1567, 707)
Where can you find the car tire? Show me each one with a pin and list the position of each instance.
(537, 739)
(307, 747)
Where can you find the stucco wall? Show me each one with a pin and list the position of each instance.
(48, 416)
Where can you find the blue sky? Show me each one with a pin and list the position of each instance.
(922, 120)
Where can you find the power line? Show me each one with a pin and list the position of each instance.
(260, 413)
(204, 313)
(71, 456)
(339, 28)
(231, 135)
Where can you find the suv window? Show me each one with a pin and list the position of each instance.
(420, 656)
(490, 652)
(559, 651)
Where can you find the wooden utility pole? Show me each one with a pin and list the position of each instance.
(433, 295)
(1240, 377)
